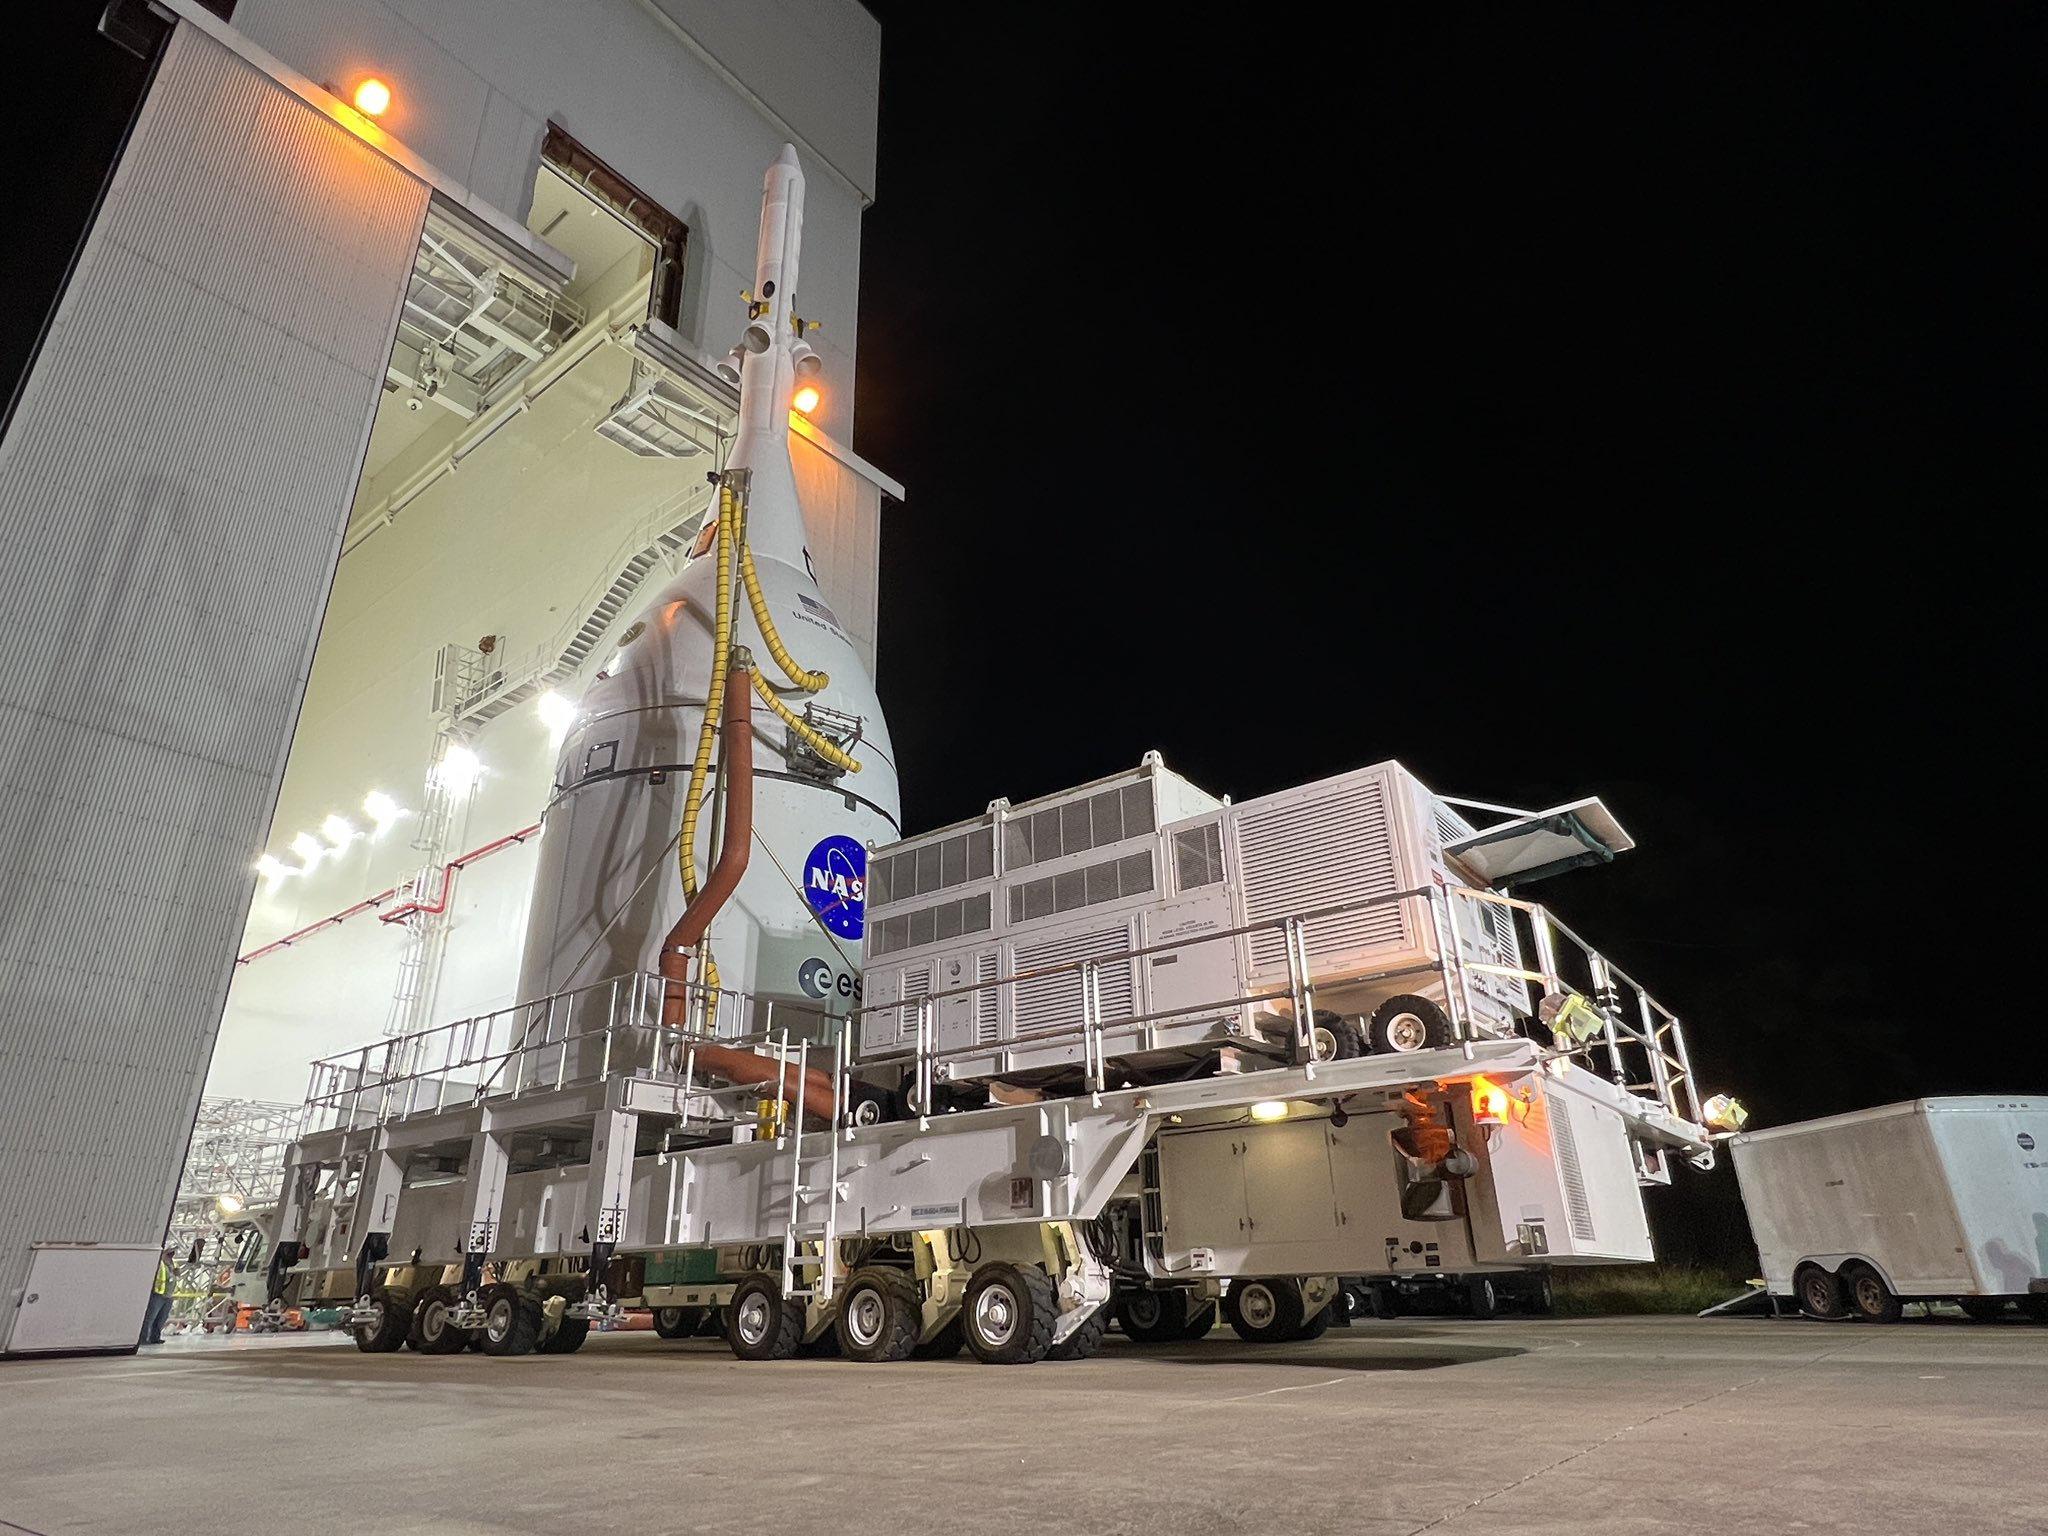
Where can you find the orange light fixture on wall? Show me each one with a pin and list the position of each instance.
(1489, 1102)
(373, 97)
(805, 400)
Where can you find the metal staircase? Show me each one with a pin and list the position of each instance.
(810, 1241)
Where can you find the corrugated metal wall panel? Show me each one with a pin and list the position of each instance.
(172, 493)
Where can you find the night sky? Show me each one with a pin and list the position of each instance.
(1584, 400)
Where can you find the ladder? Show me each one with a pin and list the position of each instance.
(813, 1177)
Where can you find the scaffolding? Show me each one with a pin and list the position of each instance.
(233, 1167)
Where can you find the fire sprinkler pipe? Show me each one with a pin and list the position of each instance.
(736, 836)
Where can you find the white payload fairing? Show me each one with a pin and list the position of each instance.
(609, 888)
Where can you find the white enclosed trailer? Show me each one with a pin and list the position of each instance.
(1933, 1198)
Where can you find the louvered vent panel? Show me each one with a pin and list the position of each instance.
(1449, 825)
(1047, 1002)
(1318, 853)
(987, 1011)
(1566, 1141)
(916, 984)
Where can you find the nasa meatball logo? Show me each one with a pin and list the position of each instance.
(836, 886)
(2026, 1142)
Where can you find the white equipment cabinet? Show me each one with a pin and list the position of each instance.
(1932, 1198)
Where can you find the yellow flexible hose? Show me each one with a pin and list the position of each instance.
(824, 746)
(810, 682)
(700, 766)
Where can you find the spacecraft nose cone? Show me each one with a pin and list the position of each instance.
(788, 156)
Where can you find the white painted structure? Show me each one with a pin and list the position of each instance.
(233, 314)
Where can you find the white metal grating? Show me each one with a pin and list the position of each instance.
(1562, 1137)
(916, 984)
(1049, 1002)
(988, 1015)
(172, 494)
(1317, 852)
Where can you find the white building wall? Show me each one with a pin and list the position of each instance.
(172, 494)
(653, 87)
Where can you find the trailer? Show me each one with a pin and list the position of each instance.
(1932, 1199)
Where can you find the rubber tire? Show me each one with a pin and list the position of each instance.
(897, 1320)
(1286, 1317)
(446, 1340)
(678, 1322)
(521, 1330)
(1982, 1309)
(944, 1344)
(1383, 1301)
(1870, 1299)
(1820, 1294)
(1347, 1039)
(567, 1338)
(1033, 1304)
(1542, 1301)
(1482, 1294)
(1153, 1317)
(784, 1321)
(1315, 1327)
(1436, 1026)
(394, 1324)
(1202, 1317)
(2035, 1306)
(1085, 1342)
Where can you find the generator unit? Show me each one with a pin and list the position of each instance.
(1138, 901)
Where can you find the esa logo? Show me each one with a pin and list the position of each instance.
(818, 979)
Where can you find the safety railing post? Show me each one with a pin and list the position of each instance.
(1603, 996)
(1660, 1075)
(1091, 1032)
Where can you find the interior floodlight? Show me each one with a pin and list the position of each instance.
(373, 96)
(805, 400)
(338, 831)
(380, 807)
(230, 1204)
(458, 770)
(555, 712)
(271, 868)
(308, 848)
(1269, 1109)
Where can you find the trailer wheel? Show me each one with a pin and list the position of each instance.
(1483, 1295)
(1085, 1342)
(1008, 1313)
(1263, 1311)
(511, 1321)
(567, 1338)
(1541, 1302)
(1315, 1327)
(388, 1331)
(1408, 1023)
(1869, 1297)
(1334, 1037)
(1154, 1317)
(677, 1322)
(431, 1333)
(1201, 1318)
(1820, 1293)
(760, 1324)
(944, 1344)
(1982, 1309)
(880, 1315)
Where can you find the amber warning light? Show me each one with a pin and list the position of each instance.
(372, 97)
(1489, 1102)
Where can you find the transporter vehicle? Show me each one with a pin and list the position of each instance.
(1484, 1295)
(1125, 1049)
(1932, 1199)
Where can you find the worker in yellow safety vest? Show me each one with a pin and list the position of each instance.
(159, 1312)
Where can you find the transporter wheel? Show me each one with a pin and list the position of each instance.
(677, 1322)
(1201, 1318)
(880, 1315)
(1384, 1302)
(1084, 1342)
(1408, 1023)
(1154, 1317)
(387, 1332)
(2035, 1306)
(760, 1324)
(1263, 1311)
(1539, 1298)
(511, 1321)
(1334, 1037)
(1315, 1327)
(1484, 1296)
(567, 1338)
(1869, 1297)
(1820, 1293)
(1982, 1309)
(431, 1332)
(1008, 1314)
(944, 1344)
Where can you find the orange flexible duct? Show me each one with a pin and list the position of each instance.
(736, 836)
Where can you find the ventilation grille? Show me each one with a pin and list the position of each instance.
(916, 984)
(1072, 889)
(988, 1027)
(1566, 1142)
(1049, 1002)
(931, 925)
(1198, 856)
(1062, 830)
(1319, 853)
(1450, 826)
(939, 866)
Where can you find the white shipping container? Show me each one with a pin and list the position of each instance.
(1942, 1197)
